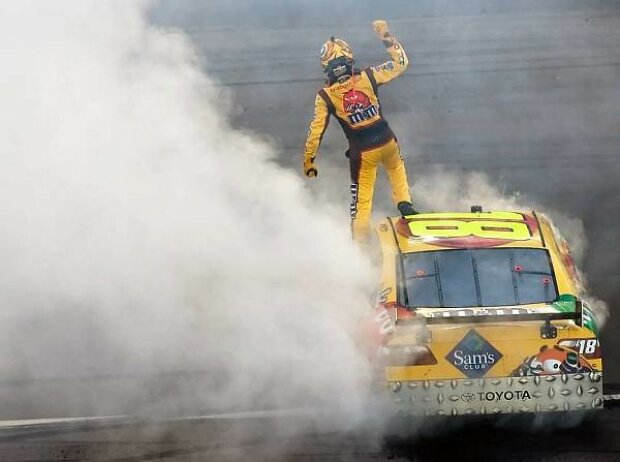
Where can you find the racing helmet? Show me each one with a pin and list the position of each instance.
(336, 58)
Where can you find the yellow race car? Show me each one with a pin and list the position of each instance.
(481, 313)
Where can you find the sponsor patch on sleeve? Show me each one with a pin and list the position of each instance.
(389, 66)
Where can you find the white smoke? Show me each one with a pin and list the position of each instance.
(141, 233)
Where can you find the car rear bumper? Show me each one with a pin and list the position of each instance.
(506, 395)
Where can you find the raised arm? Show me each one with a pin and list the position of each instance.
(398, 62)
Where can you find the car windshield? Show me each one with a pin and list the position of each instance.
(478, 277)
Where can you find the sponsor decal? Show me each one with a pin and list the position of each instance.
(381, 296)
(389, 66)
(496, 396)
(554, 360)
(324, 51)
(589, 319)
(354, 196)
(589, 348)
(568, 260)
(358, 106)
(520, 395)
(512, 230)
(473, 355)
(384, 321)
(484, 229)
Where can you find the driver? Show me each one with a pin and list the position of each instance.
(350, 95)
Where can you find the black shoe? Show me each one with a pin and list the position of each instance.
(406, 209)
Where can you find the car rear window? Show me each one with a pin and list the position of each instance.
(478, 277)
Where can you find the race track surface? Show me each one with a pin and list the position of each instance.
(295, 438)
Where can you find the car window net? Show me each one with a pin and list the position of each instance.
(478, 277)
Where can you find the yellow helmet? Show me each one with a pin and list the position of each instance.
(335, 48)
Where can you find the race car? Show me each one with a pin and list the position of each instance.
(481, 313)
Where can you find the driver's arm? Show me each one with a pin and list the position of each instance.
(319, 123)
(398, 62)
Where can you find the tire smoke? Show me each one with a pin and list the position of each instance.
(143, 235)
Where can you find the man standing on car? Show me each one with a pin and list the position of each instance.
(350, 95)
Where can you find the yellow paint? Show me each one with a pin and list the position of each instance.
(516, 341)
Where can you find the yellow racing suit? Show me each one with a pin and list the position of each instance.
(355, 104)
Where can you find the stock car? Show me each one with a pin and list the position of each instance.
(481, 313)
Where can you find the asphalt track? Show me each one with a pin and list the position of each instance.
(292, 436)
(524, 107)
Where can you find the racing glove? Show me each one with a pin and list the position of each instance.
(383, 31)
(311, 170)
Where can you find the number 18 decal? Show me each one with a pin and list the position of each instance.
(589, 348)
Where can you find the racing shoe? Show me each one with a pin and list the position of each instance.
(406, 209)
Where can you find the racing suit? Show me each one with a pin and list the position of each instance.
(355, 104)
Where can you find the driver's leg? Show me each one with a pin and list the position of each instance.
(394, 165)
(363, 176)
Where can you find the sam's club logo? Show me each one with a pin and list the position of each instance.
(473, 355)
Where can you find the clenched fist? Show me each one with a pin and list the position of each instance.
(383, 31)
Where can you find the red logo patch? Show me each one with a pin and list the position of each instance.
(355, 101)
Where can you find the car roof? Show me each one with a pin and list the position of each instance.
(458, 230)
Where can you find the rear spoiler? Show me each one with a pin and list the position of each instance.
(488, 318)
(495, 318)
